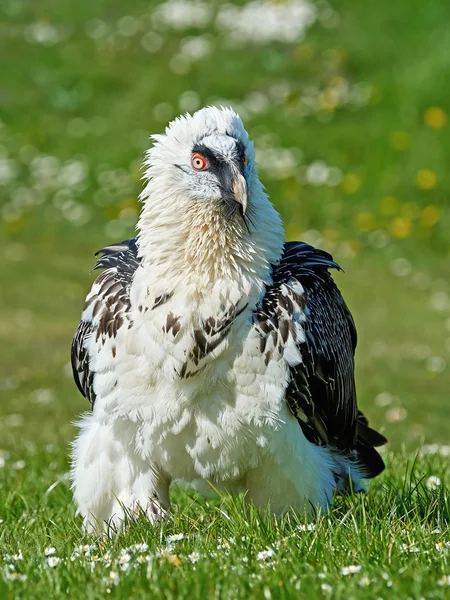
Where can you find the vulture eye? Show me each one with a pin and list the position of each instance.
(199, 162)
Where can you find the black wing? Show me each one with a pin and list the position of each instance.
(105, 309)
(321, 392)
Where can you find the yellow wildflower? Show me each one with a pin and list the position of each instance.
(426, 179)
(401, 227)
(431, 215)
(351, 183)
(328, 99)
(435, 117)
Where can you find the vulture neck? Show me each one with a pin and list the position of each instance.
(198, 247)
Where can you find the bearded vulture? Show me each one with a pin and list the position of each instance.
(211, 350)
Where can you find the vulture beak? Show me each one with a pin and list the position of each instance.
(240, 191)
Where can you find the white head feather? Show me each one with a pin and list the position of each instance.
(183, 228)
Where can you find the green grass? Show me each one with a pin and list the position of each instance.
(90, 104)
(395, 535)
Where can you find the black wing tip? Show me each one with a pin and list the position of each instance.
(373, 437)
(377, 439)
(309, 256)
(115, 253)
(367, 441)
(370, 460)
(129, 244)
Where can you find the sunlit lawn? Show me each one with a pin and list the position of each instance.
(351, 131)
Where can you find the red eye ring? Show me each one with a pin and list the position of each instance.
(199, 162)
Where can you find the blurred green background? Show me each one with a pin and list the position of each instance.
(348, 104)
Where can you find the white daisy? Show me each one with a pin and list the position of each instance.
(124, 558)
(194, 557)
(176, 537)
(433, 482)
(53, 561)
(445, 580)
(49, 551)
(265, 554)
(113, 577)
(307, 527)
(442, 546)
(350, 570)
(409, 548)
(223, 545)
(164, 552)
(15, 576)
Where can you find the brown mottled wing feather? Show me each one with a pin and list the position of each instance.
(321, 392)
(105, 309)
(80, 361)
(211, 333)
